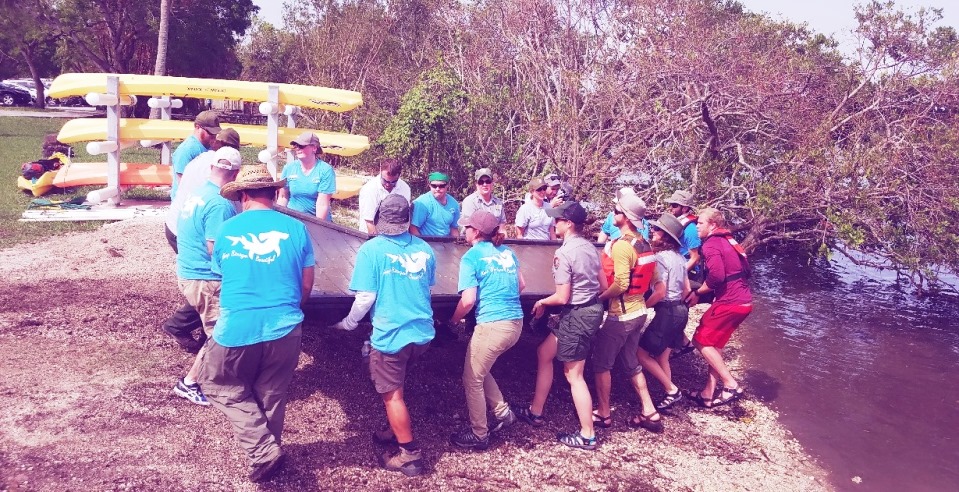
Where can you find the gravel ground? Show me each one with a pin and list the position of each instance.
(87, 378)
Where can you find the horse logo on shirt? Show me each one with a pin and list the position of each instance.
(504, 260)
(414, 265)
(260, 246)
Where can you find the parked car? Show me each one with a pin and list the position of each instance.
(14, 95)
(30, 86)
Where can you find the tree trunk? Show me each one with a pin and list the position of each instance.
(164, 32)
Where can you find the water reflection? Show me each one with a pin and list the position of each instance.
(860, 370)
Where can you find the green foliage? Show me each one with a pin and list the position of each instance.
(422, 131)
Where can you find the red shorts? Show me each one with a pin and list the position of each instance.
(719, 322)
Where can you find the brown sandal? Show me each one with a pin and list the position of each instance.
(647, 422)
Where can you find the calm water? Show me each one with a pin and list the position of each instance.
(863, 374)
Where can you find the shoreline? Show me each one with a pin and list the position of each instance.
(89, 377)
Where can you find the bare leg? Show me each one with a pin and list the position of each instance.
(653, 366)
(639, 384)
(603, 388)
(581, 398)
(663, 360)
(398, 416)
(195, 368)
(544, 373)
(717, 369)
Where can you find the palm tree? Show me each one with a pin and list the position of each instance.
(160, 67)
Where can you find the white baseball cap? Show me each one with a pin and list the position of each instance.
(231, 156)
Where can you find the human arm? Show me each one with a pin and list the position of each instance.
(362, 303)
(552, 232)
(622, 265)
(601, 238)
(322, 206)
(522, 281)
(466, 302)
(558, 298)
(283, 196)
(658, 284)
(306, 285)
(693, 259)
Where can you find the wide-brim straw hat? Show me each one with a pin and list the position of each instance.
(251, 177)
(670, 225)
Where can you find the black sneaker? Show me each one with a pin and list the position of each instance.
(265, 471)
(186, 342)
(467, 439)
(503, 423)
(384, 436)
(409, 463)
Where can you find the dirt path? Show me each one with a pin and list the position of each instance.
(87, 378)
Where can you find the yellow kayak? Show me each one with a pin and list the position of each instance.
(133, 129)
(306, 96)
(39, 186)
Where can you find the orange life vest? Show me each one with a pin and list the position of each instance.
(686, 219)
(728, 236)
(642, 271)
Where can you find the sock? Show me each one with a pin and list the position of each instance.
(410, 447)
(187, 381)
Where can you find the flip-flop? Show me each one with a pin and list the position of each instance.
(734, 394)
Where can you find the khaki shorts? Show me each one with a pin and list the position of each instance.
(575, 331)
(388, 371)
(204, 296)
(616, 340)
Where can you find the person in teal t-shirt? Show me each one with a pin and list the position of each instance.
(310, 182)
(199, 223)
(205, 127)
(393, 275)
(489, 278)
(267, 264)
(435, 213)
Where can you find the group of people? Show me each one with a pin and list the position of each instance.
(627, 302)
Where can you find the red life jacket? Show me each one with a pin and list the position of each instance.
(642, 271)
(728, 236)
(686, 219)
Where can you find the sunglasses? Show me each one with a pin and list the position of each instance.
(388, 182)
(654, 228)
(674, 205)
(541, 188)
(485, 181)
(618, 211)
(438, 185)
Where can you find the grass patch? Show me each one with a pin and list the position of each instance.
(22, 138)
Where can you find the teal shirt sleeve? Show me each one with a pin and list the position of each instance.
(327, 184)
(467, 276)
(421, 212)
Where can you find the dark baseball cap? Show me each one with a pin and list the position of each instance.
(229, 136)
(481, 220)
(571, 211)
(208, 120)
